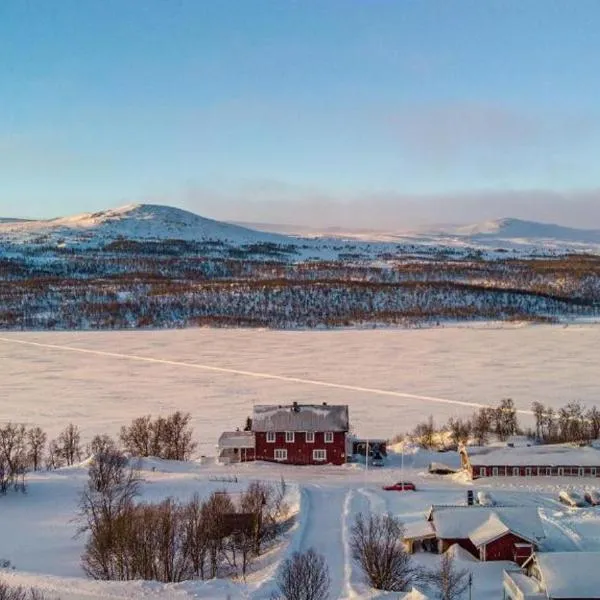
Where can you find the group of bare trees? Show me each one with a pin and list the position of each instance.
(500, 420)
(377, 546)
(164, 437)
(570, 423)
(24, 449)
(21, 449)
(171, 541)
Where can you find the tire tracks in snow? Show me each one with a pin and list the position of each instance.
(253, 374)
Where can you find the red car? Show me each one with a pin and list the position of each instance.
(401, 486)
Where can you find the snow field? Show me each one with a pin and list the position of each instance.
(391, 379)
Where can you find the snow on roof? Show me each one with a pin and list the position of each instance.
(556, 455)
(570, 574)
(236, 439)
(414, 594)
(491, 530)
(459, 553)
(462, 522)
(300, 417)
(418, 530)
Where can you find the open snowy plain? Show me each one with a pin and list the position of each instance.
(390, 378)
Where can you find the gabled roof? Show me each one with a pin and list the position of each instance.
(486, 523)
(487, 532)
(568, 575)
(236, 439)
(301, 417)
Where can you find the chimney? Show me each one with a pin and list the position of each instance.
(295, 407)
(470, 498)
(324, 403)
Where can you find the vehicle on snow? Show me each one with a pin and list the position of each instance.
(401, 486)
(592, 497)
(485, 499)
(571, 498)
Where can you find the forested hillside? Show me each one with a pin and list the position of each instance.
(128, 284)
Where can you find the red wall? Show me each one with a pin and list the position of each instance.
(503, 548)
(300, 452)
(568, 471)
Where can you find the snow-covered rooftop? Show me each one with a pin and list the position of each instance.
(301, 417)
(552, 455)
(570, 574)
(236, 439)
(482, 524)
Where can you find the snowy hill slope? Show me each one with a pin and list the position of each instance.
(133, 222)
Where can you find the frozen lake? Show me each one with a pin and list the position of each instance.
(101, 380)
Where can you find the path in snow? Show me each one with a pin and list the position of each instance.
(324, 531)
(254, 374)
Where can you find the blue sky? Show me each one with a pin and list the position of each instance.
(339, 110)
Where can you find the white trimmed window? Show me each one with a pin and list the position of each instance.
(548, 471)
(289, 437)
(581, 472)
(310, 437)
(320, 455)
(561, 471)
(495, 471)
(280, 454)
(482, 472)
(329, 437)
(516, 471)
(271, 437)
(593, 471)
(528, 471)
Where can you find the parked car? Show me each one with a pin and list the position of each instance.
(485, 499)
(592, 497)
(401, 486)
(377, 461)
(571, 498)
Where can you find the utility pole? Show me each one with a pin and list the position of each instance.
(470, 585)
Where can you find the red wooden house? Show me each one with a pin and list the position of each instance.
(301, 434)
(488, 533)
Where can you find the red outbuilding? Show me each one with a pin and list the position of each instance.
(301, 434)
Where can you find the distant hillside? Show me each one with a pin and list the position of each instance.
(132, 222)
(506, 229)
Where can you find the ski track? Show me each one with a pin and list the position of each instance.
(254, 374)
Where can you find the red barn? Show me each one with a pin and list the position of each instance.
(301, 434)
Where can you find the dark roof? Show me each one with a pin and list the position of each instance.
(301, 417)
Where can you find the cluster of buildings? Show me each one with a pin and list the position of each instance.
(316, 434)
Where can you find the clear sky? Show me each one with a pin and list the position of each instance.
(358, 112)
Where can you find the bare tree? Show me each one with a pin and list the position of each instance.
(449, 581)
(54, 459)
(13, 457)
(137, 438)
(69, 444)
(376, 544)
(304, 576)
(36, 441)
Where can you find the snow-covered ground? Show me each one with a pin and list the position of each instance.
(391, 378)
(39, 530)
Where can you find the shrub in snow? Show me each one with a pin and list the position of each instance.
(304, 576)
(449, 581)
(376, 544)
(8, 592)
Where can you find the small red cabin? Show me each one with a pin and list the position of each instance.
(301, 434)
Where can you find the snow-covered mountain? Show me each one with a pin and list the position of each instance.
(155, 222)
(133, 222)
(517, 229)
